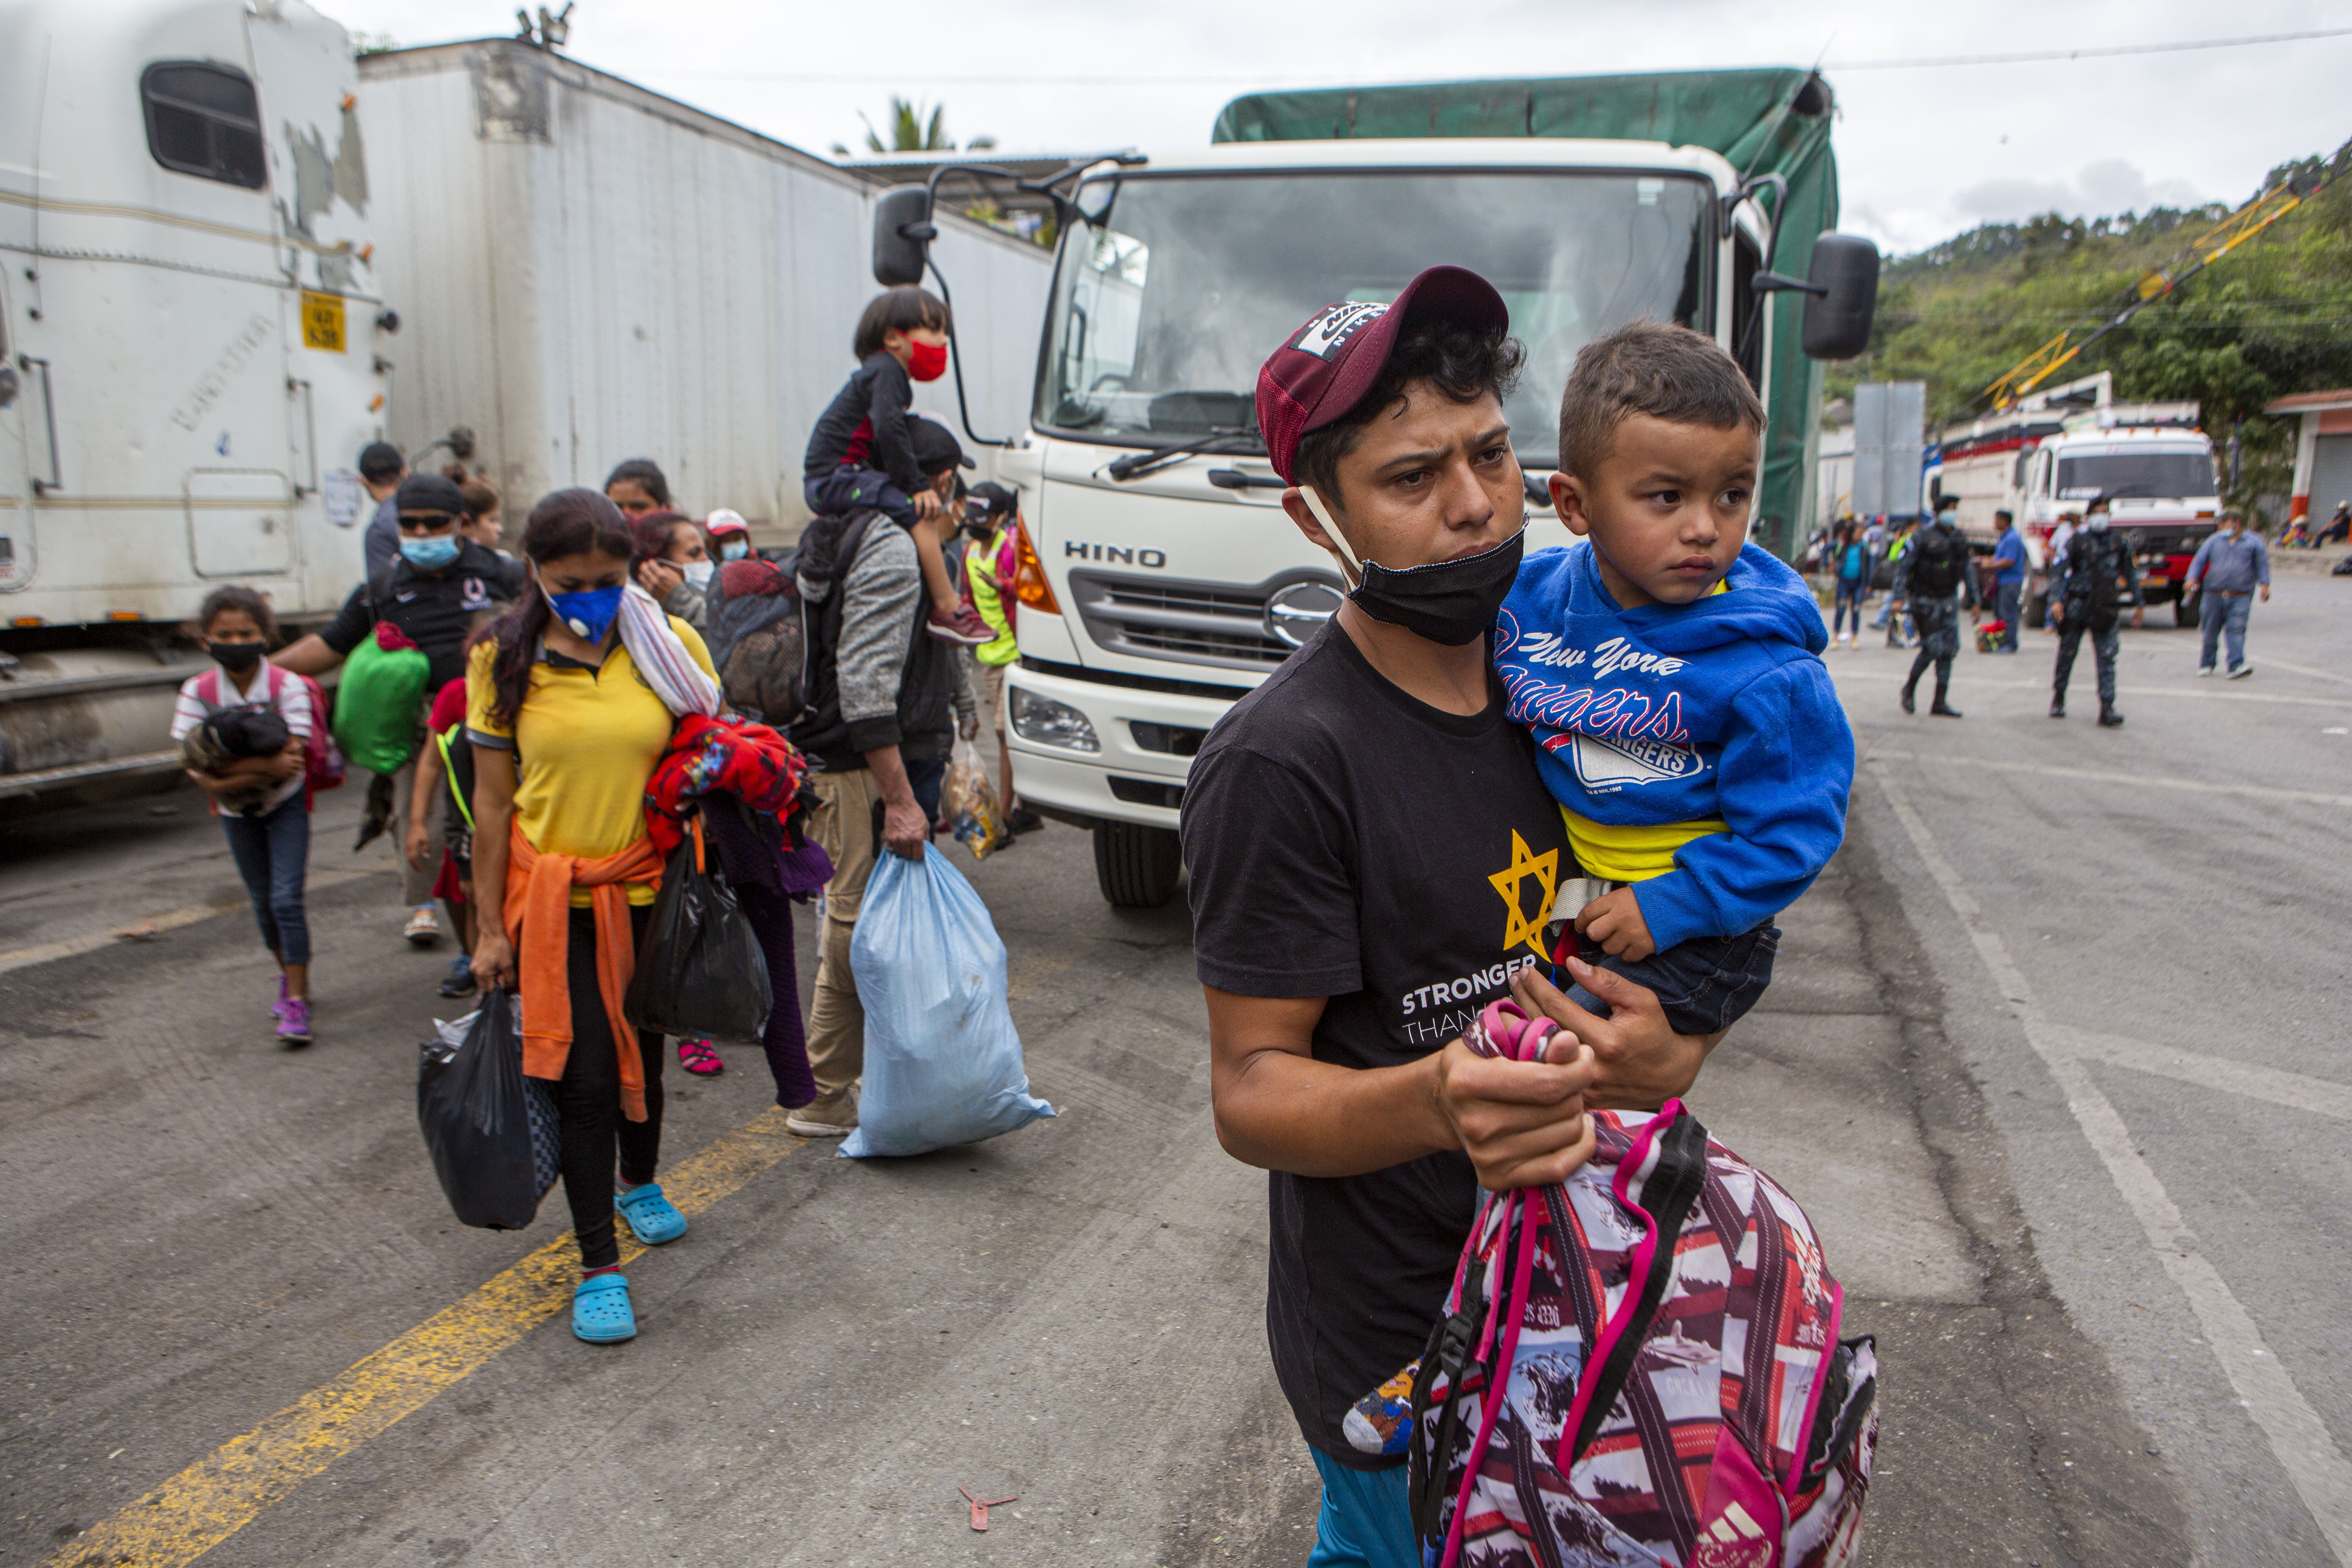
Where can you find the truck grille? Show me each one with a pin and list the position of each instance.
(1217, 623)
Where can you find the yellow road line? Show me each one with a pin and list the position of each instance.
(219, 1495)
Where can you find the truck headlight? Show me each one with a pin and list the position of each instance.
(1045, 723)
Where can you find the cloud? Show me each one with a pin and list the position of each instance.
(2099, 190)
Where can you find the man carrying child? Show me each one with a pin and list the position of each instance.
(1374, 857)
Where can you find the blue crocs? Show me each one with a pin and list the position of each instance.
(654, 1217)
(600, 1314)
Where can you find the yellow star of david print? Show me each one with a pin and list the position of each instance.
(1522, 927)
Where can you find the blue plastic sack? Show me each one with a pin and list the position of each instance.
(942, 1058)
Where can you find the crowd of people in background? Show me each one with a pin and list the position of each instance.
(517, 717)
(2088, 573)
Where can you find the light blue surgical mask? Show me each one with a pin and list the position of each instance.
(431, 553)
(589, 612)
(698, 572)
(733, 549)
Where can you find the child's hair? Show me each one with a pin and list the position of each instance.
(236, 596)
(1649, 368)
(1463, 362)
(898, 310)
(655, 532)
(481, 497)
(565, 523)
(642, 472)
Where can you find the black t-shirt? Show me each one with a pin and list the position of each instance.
(434, 610)
(1347, 840)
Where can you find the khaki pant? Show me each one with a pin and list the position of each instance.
(845, 827)
(416, 881)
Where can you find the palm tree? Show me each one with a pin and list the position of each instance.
(911, 132)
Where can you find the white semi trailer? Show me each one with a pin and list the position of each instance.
(191, 320)
(588, 271)
(235, 255)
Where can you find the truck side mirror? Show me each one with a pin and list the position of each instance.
(1841, 296)
(903, 233)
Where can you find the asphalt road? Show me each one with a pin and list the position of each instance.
(2056, 970)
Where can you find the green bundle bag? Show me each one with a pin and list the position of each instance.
(379, 698)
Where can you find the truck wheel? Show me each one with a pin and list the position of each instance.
(2037, 611)
(1136, 866)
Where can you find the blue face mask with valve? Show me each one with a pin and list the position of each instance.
(430, 554)
(590, 612)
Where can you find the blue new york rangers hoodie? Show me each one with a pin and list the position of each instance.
(1720, 708)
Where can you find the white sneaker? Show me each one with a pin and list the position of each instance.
(2203, 670)
(2243, 671)
(423, 930)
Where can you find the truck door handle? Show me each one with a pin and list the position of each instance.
(1234, 479)
(57, 479)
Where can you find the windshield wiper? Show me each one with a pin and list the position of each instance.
(1225, 438)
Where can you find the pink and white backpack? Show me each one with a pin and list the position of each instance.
(1663, 1333)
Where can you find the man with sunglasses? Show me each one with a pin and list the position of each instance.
(432, 592)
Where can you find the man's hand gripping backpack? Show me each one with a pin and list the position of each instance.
(1665, 1337)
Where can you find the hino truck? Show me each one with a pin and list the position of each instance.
(1160, 579)
(2059, 450)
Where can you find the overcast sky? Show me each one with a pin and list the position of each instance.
(1924, 152)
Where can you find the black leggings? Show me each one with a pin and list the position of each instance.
(589, 1097)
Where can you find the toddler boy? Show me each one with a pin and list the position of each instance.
(1671, 674)
(862, 452)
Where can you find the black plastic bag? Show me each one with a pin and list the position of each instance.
(701, 974)
(491, 1131)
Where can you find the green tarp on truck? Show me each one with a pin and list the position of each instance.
(1774, 121)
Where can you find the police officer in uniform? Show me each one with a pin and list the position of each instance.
(2084, 598)
(1932, 570)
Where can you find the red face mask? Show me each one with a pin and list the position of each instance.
(926, 361)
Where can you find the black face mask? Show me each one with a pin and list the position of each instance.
(1449, 602)
(236, 657)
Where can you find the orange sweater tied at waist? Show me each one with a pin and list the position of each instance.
(538, 923)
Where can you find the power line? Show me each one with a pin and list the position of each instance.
(968, 80)
(2109, 53)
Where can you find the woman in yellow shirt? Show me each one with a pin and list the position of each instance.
(570, 699)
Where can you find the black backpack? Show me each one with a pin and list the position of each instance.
(1938, 557)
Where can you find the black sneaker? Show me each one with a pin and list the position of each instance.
(460, 981)
(1023, 820)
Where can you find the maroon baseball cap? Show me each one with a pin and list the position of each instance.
(1331, 362)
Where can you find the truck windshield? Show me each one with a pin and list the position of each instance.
(2174, 475)
(1173, 291)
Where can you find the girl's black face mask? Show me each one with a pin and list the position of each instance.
(236, 657)
(1448, 602)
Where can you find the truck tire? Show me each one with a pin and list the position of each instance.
(1136, 866)
(2037, 611)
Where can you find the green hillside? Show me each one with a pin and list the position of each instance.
(2274, 317)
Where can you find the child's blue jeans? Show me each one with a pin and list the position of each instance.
(1704, 985)
(847, 489)
(273, 855)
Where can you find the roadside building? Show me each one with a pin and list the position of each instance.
(2323, 450)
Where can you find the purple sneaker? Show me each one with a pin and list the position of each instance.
(294, 1022)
